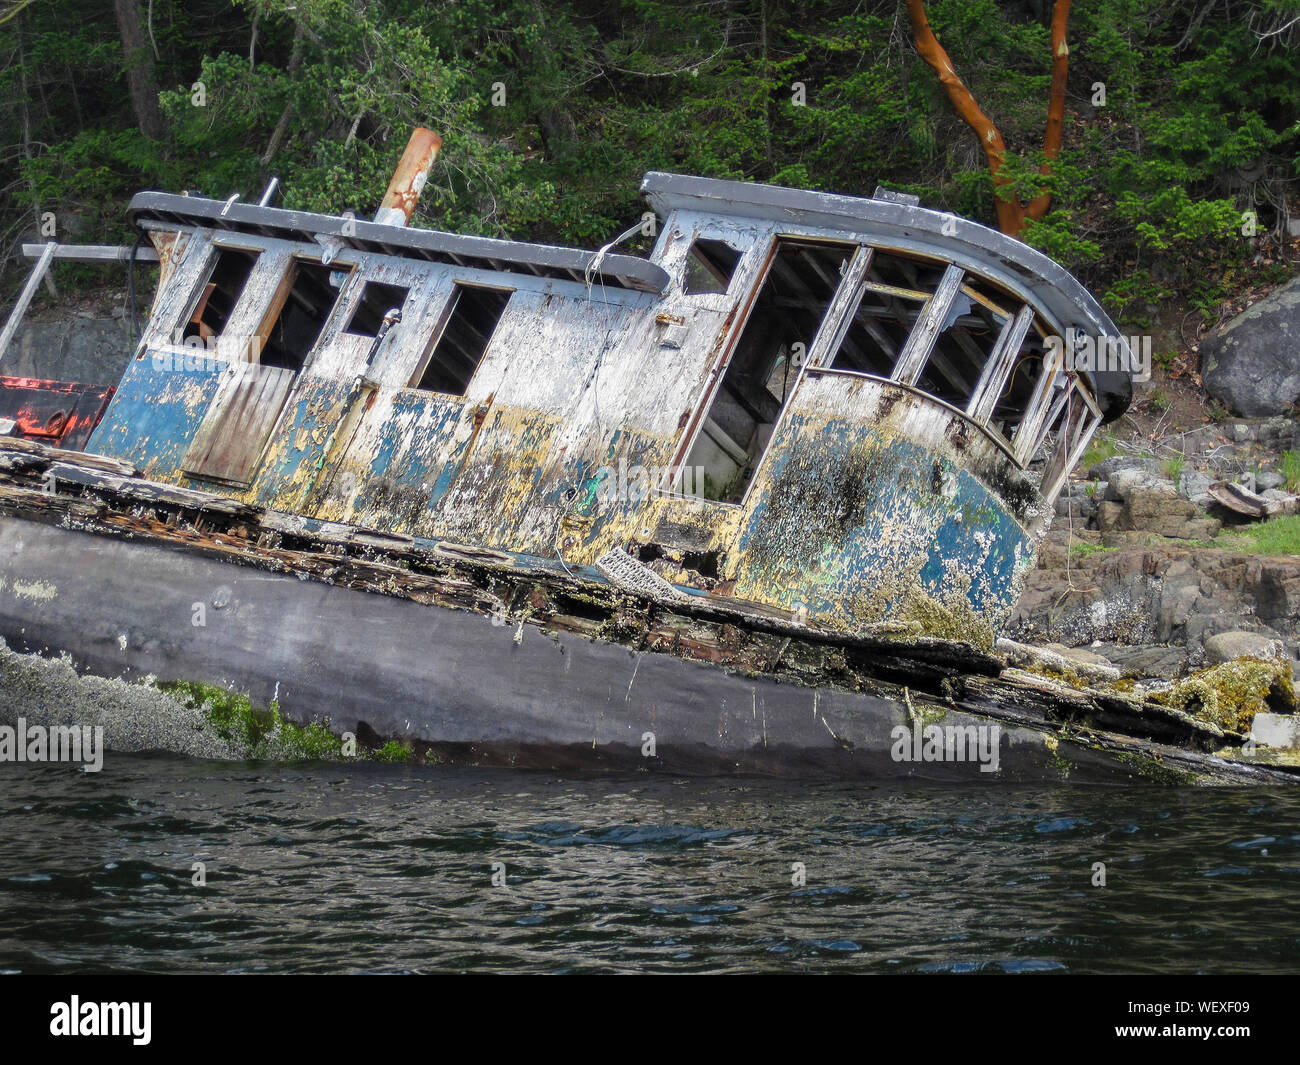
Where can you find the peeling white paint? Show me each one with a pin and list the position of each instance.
(37, 591)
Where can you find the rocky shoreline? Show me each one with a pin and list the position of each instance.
(1145, 571)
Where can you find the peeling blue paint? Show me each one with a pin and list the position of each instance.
(845, 506)
(156, 412)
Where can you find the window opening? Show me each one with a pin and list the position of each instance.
(894, 295)
(471, 319)
(293, 327)
(710, 265)
(376, 300)
(217, 298)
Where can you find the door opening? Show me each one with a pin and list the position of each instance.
(786, 314)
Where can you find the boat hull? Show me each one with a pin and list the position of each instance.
(461, 686)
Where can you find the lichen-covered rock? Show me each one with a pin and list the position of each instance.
(1150, 660)
(1252, 363)
(1106, 468)
(1162, 511)
(1075, 665)
(1231, 694)
(1194, 486)
(73, 349)
(1124, 592)
(1143, 505)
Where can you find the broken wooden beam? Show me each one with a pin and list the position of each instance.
(1241, 500)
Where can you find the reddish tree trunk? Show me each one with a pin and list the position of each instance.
(1012, 214)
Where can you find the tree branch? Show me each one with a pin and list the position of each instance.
(1011, 213)
(929, 48)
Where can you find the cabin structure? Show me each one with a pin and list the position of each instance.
(844, 409)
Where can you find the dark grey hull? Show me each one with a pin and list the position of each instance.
(472, 689)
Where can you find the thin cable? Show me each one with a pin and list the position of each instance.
(598, 259)
(130, 286)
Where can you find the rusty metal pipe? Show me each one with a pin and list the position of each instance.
(408, 179)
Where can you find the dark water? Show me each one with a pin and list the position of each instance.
(388, 868)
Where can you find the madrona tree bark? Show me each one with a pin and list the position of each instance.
(1012, 213)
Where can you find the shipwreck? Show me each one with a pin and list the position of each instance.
(756, 502)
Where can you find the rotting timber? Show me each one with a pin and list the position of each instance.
(1086, 734)
(403, 486)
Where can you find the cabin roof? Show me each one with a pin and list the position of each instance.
(910, 228)
(487, 253)
(898, 224)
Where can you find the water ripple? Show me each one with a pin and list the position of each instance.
(376, 868)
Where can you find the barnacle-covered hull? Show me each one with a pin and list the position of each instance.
(484, 658)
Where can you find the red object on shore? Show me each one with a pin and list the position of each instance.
(60, 413)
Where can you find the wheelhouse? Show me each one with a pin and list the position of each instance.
(795, 396)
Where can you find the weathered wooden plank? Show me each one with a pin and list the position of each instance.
(93, 253)
(235, 430)
(1238, 498)
(144, 491)
(22, 462)
(839, 314)
(911, 360)
(998, 368)
(1028, 432)
(25, 297)
(56, 454)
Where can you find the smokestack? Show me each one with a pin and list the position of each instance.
(409, 178)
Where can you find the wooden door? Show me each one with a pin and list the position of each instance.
(234, 432)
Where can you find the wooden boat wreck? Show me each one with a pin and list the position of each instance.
(756, 503)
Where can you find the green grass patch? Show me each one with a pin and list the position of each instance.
(1103, 447)
(1275, 536)
(1291, 470)
(1088, 550)
(1173, 467)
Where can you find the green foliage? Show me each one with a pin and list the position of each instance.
(92, 173)
(1206, 296)
(1174, 466)
(1291, 470)
(1056, 234)
(1200, 123)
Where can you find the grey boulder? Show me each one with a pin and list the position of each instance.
(1252, 363)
